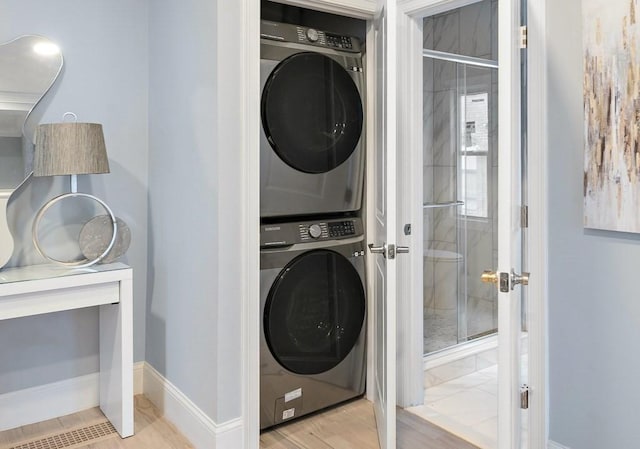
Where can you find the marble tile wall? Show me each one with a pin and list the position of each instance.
(468, 31)
(456, 286)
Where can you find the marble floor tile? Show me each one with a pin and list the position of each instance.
(465, 407)
(490, 387)
(469, 407)
(488, 428)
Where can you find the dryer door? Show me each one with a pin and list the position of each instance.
(311, 112)
(314, 312)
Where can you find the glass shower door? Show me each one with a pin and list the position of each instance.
(460, 201)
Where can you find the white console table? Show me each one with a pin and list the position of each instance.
(40, 289)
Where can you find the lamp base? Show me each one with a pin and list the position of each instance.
(76, 263)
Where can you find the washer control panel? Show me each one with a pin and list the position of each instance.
(327, 230)
(311, 36)
(284, 234)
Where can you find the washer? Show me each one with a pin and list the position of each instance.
(312, 294)
(312, 145)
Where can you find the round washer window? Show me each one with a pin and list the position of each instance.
(311, 112)
(314, 312)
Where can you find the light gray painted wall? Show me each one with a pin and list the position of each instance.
(593, 290)
(193, 316)
(105, 46)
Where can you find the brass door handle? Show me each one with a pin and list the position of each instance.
(490, 277)
(504, 280)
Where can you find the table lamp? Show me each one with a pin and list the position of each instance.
(71, 149)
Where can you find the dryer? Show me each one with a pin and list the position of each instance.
(311, 143)
(312, 295)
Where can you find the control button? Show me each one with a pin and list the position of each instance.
(312, 35)
(315, 231)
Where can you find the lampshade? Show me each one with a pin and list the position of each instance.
(70, 148)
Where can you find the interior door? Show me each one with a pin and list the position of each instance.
(509, 226)
(382, 232)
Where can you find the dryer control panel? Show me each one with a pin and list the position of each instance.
(283, 234)
(285, 32)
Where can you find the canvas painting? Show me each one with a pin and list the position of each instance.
(611, 38)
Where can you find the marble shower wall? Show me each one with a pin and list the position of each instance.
(452, 279)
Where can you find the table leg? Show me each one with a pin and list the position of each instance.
(116, 360)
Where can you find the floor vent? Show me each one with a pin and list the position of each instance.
(72, 438)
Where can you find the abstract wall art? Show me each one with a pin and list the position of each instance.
(611, 41)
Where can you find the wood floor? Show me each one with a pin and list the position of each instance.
(348, 426)
(352, 426)
(151, 430)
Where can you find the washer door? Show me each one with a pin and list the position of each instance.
(314, 312)
(311, 112)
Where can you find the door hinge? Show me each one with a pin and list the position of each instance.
(523, 36)
(524, 216)
(524, 397)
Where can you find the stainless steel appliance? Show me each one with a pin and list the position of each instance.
(312, 348)
(312, 145)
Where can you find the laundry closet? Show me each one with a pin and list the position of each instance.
(313, 303)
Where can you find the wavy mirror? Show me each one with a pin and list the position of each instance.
(29, 65)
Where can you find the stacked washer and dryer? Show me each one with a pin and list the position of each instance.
(312, 289)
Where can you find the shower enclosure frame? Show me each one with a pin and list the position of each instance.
(410, 390)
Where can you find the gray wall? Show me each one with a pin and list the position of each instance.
(105, 79)
(593, 290)
(193, 315)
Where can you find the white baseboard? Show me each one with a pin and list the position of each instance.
(138, 376)
(554, 445)
(43, 402)
(32, 405)
(194, 424)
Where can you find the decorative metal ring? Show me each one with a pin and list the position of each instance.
(80, 263)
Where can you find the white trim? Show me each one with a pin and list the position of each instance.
(538, 227)
(369, 217)
(250, 246)
(410, 283)
(509, 230)
(36, 404)
(459, 352)
(554, 445)
(32, 405)
(193, 423)
(138, 378)
(538, 200)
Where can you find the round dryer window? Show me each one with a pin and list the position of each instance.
(314, 312)
(311, 112)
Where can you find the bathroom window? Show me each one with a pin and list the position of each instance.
(474, 154)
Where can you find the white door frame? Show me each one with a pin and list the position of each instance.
(249, 146)
(410, 362)
(248, 83)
